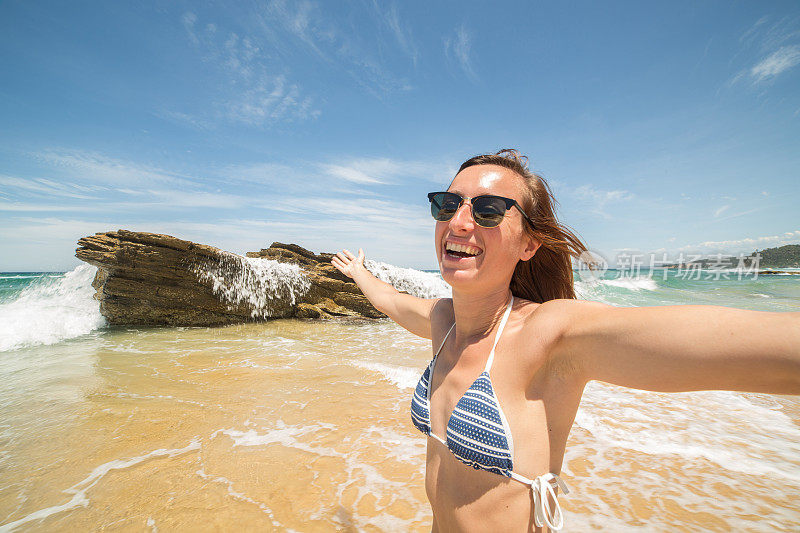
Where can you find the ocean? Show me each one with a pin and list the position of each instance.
(293, 425)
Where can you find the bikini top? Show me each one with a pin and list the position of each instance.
(478, 433)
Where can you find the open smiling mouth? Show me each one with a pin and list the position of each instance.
(461, 250)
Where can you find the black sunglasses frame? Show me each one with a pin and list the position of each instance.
(510, 202)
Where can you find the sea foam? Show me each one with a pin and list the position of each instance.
(403, 377)
(79, 490)
(700, 424)
(51, 310)
(414, 282)
(254, 282)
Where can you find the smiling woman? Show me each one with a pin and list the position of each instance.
(514, 349)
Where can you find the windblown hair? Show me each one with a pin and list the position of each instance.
(548, 274)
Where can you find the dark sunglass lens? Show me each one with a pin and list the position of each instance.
(489, 211)
(444, 206)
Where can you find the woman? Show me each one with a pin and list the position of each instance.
(514, 349)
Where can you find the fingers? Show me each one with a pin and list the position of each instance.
(346, 257)
(341, 266)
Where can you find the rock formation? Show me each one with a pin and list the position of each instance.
(152, 279)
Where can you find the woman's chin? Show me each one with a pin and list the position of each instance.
(457, 276)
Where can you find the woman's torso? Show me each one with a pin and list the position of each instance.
(539, 398)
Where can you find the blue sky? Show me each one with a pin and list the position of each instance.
(670, 127)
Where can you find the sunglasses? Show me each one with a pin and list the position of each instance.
(487, 210)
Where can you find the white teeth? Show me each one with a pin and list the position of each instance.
(463, 248)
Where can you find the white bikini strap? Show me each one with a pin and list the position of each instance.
(445, 340)
(499, 332)
(542, 487)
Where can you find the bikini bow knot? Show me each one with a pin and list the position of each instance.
(542, 488)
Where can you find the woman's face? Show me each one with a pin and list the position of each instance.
(497, 249)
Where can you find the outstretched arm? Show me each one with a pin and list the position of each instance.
(411, 312)
(681, 347)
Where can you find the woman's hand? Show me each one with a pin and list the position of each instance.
(348, 264)
(411, 312)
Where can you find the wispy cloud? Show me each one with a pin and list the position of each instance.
(776, 63)
(598, 199)
(390, 17)
(721, 210)
(719, 218)
(323, 205)
(49, 188)
(386, 170)
(774, 48)
(367, 212)
(102, 169)
(359, 54)
(789, 237)
(255, 93)
(334, 175)
(457, 48)
(751, 34)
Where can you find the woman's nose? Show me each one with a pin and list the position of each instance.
(463, 217)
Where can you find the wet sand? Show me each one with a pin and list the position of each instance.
(294, 425)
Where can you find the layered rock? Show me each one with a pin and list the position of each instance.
(153, 279)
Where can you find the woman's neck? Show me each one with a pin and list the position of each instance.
(477, 314)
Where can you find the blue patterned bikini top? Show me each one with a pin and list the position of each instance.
(478, 433)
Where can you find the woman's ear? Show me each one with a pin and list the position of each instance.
(531, 245)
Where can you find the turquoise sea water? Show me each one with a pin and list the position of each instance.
(12, 283)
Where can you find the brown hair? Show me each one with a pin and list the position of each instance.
(548, 274)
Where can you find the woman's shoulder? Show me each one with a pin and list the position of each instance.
(545, 328)
(442, 315)
(554, 316)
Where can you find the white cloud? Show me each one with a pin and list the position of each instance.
(189, 19)
(98, 168)
(766, 241)
(358, 54)
(256, 92)
(45, 187)
(776, 63)
(319, 205)
(30, 206)
(597, 199)
(457, 47)
(409, 243)
(403, 35)
(719, 218)
(353, 174)
(386, 170)
(751, 33)
(721, 210)
(772, 49)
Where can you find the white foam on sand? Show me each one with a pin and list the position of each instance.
(702, 424)
(79, 490)
(50, 311)
(402, 376)
(282, 434)
(236, 495)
